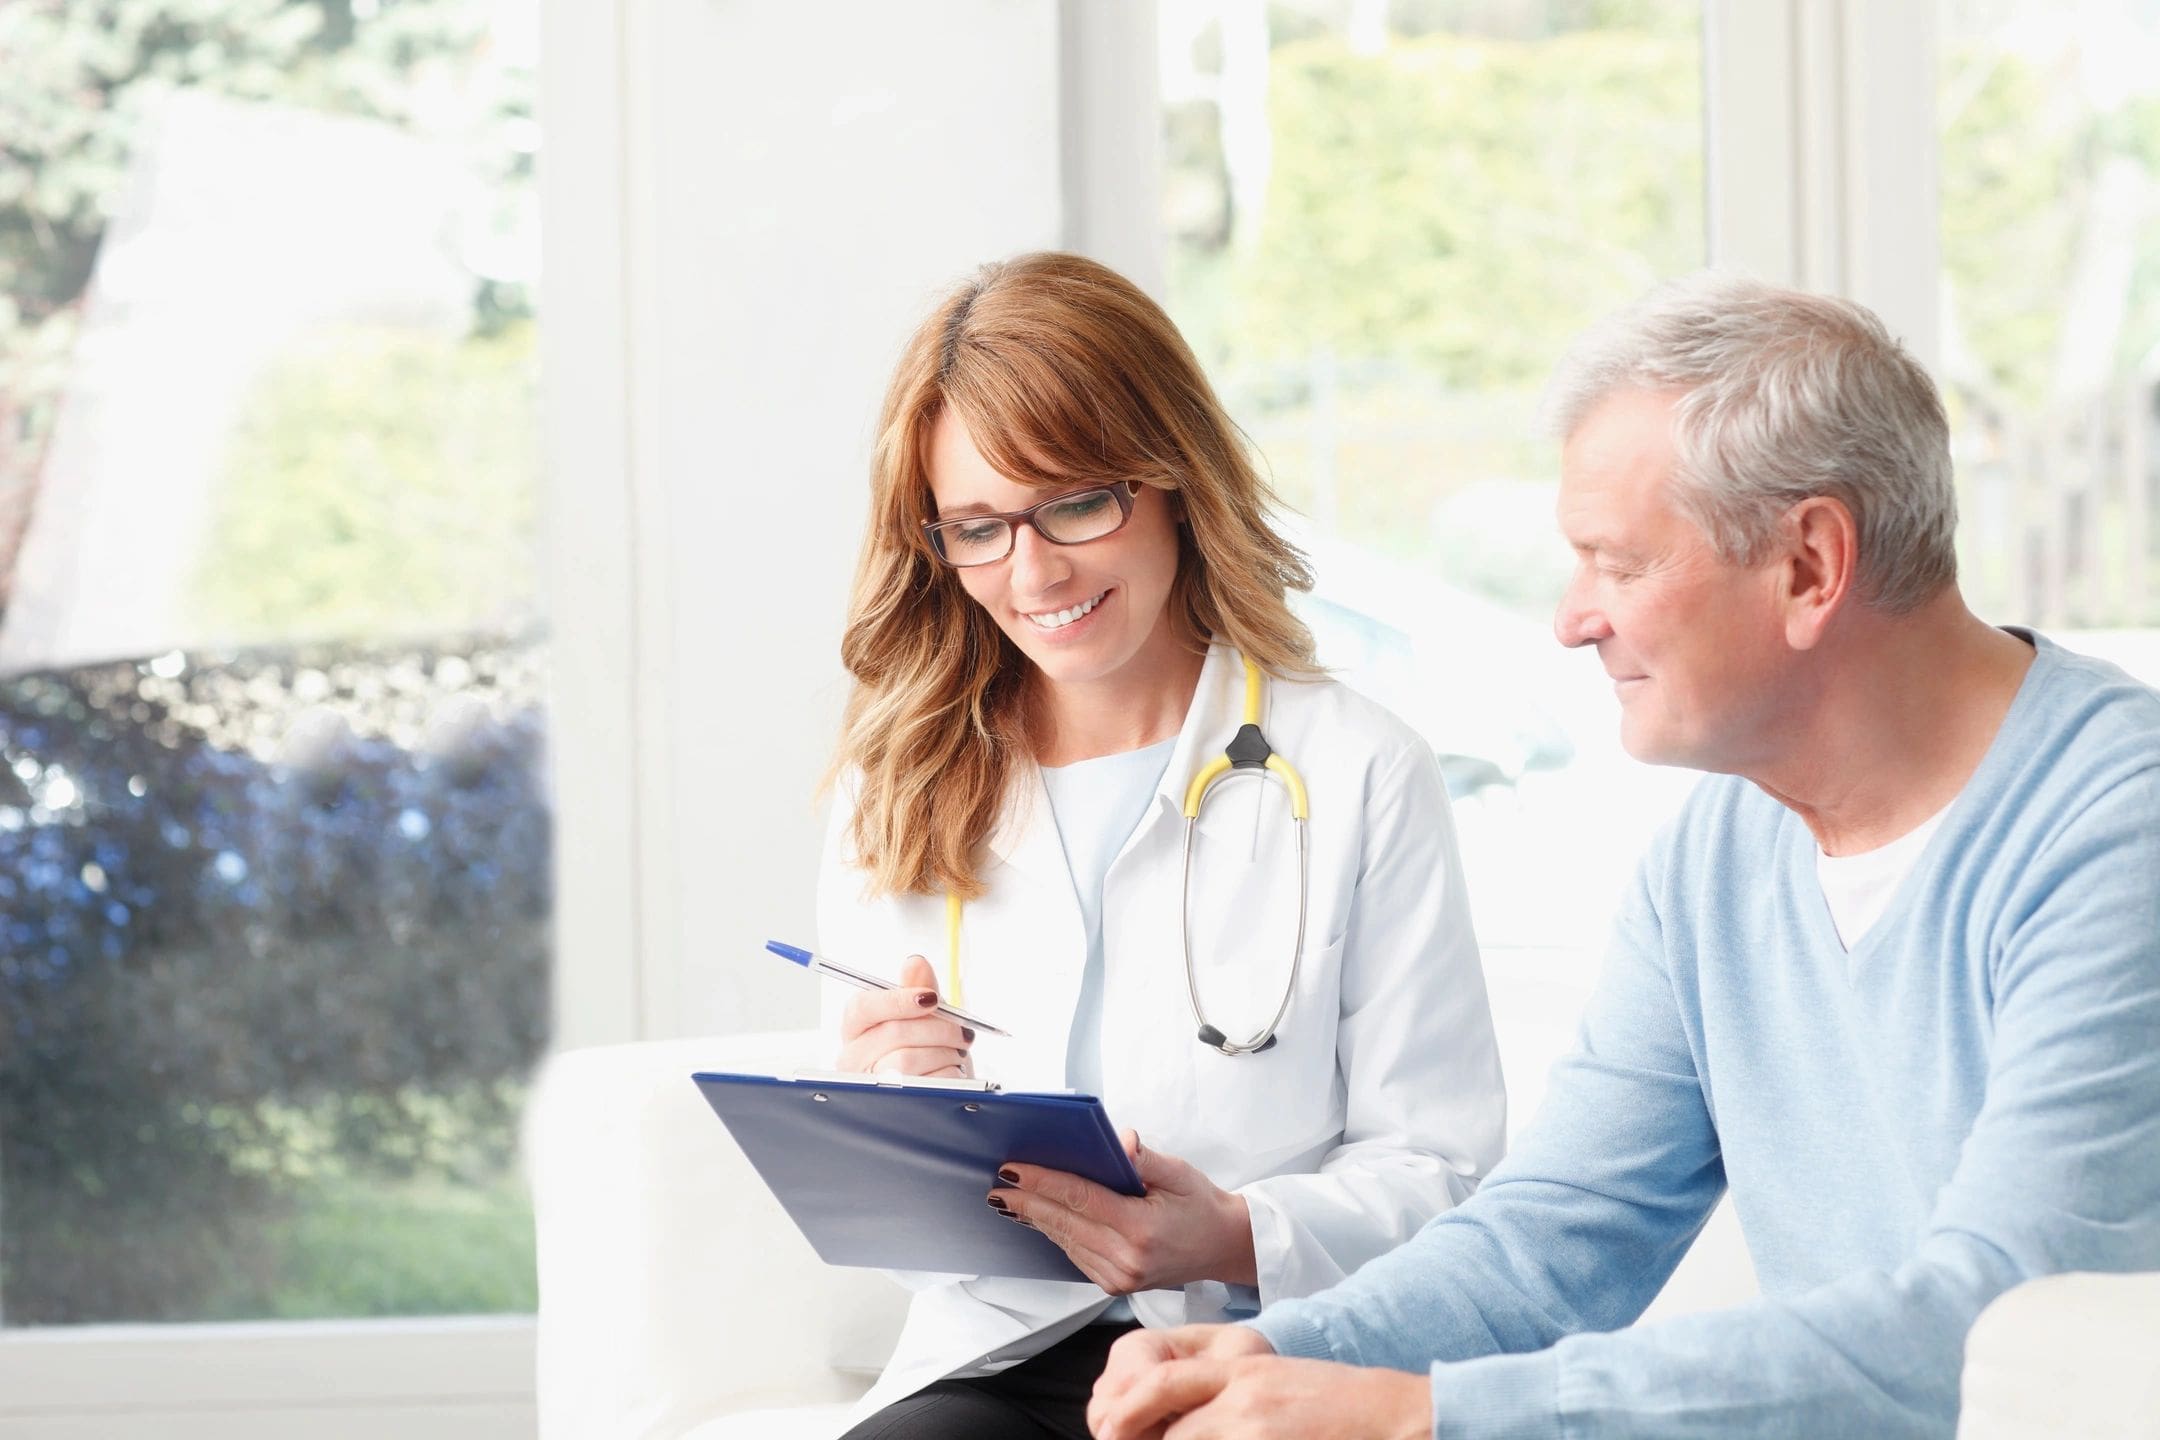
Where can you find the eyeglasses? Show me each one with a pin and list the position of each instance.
(1072, 519)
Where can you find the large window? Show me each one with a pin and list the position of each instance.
(274, 846)
(1384, 224)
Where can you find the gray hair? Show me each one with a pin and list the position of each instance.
(1785, 396)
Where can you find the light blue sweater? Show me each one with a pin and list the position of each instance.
(1970, 1098)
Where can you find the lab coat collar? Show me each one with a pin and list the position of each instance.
(1218, 702)
(1026, 837)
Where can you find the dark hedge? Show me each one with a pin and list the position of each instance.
(312, 876)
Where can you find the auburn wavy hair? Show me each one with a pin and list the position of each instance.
(1063, 371)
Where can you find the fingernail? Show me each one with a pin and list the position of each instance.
(927, 999)
(1000, 1206)
(967, 1034)
(1010, 1177)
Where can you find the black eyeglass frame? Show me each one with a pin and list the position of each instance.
(1123, 492)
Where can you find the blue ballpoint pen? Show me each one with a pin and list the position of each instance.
(818, 964)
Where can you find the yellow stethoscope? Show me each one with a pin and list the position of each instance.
(1247, 750)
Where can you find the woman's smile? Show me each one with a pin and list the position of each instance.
(1064, 622)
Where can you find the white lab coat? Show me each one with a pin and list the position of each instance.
(1380, 1105)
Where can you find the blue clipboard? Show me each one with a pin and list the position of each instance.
(893, 1174)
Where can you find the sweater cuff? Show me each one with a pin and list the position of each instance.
(1294, 1332)
(1498, 1397)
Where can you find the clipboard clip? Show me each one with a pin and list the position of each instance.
(898, 1082)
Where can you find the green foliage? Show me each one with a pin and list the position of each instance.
(404, 1248)
(1444, 215)
(451, 1235)
(81, 77)
(1539, 19)
(2051, 251)
(356, 1240)
(1466, 205)
(1441, 218)
(84, 76)
(230, 987)
(2008, 238)
(2022, 149)
(84, 79)
(203, 1075)
(379, 482)
(2134, 131)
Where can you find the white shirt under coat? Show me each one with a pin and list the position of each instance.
(1380, 1105)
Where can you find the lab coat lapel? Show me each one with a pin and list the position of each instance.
(1144, 986)
(1025, 836)
(1032, 915)
(1210, 721)
(1029, 933)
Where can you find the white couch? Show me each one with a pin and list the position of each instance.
(673, 1288)
(677, 1302)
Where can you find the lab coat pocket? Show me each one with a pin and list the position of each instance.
(1276, 1108)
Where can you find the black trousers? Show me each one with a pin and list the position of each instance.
(1044, 1397)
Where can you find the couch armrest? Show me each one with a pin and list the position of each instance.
(673, 1287)
(2066, 1355)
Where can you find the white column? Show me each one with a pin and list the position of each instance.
(797, 186)
(1823, 152)
(590, 536)
(1111, 118)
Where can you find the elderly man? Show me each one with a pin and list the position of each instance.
(1893, 975)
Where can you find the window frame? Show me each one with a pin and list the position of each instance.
(1822, 155)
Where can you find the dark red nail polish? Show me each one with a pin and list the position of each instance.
(1010, 1177)
(999, 1206)
(927, 999)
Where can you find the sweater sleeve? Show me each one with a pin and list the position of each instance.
(2058, 1173)
(1577, 1229)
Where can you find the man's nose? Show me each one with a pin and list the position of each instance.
(1578, 622)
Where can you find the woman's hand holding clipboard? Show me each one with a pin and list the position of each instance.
(890, 1171)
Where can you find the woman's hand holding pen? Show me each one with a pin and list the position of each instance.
(1183, 1229)
(895, 1032)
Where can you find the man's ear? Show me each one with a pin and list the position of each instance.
(1821, 566)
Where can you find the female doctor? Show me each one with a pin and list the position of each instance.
(1069, 600)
